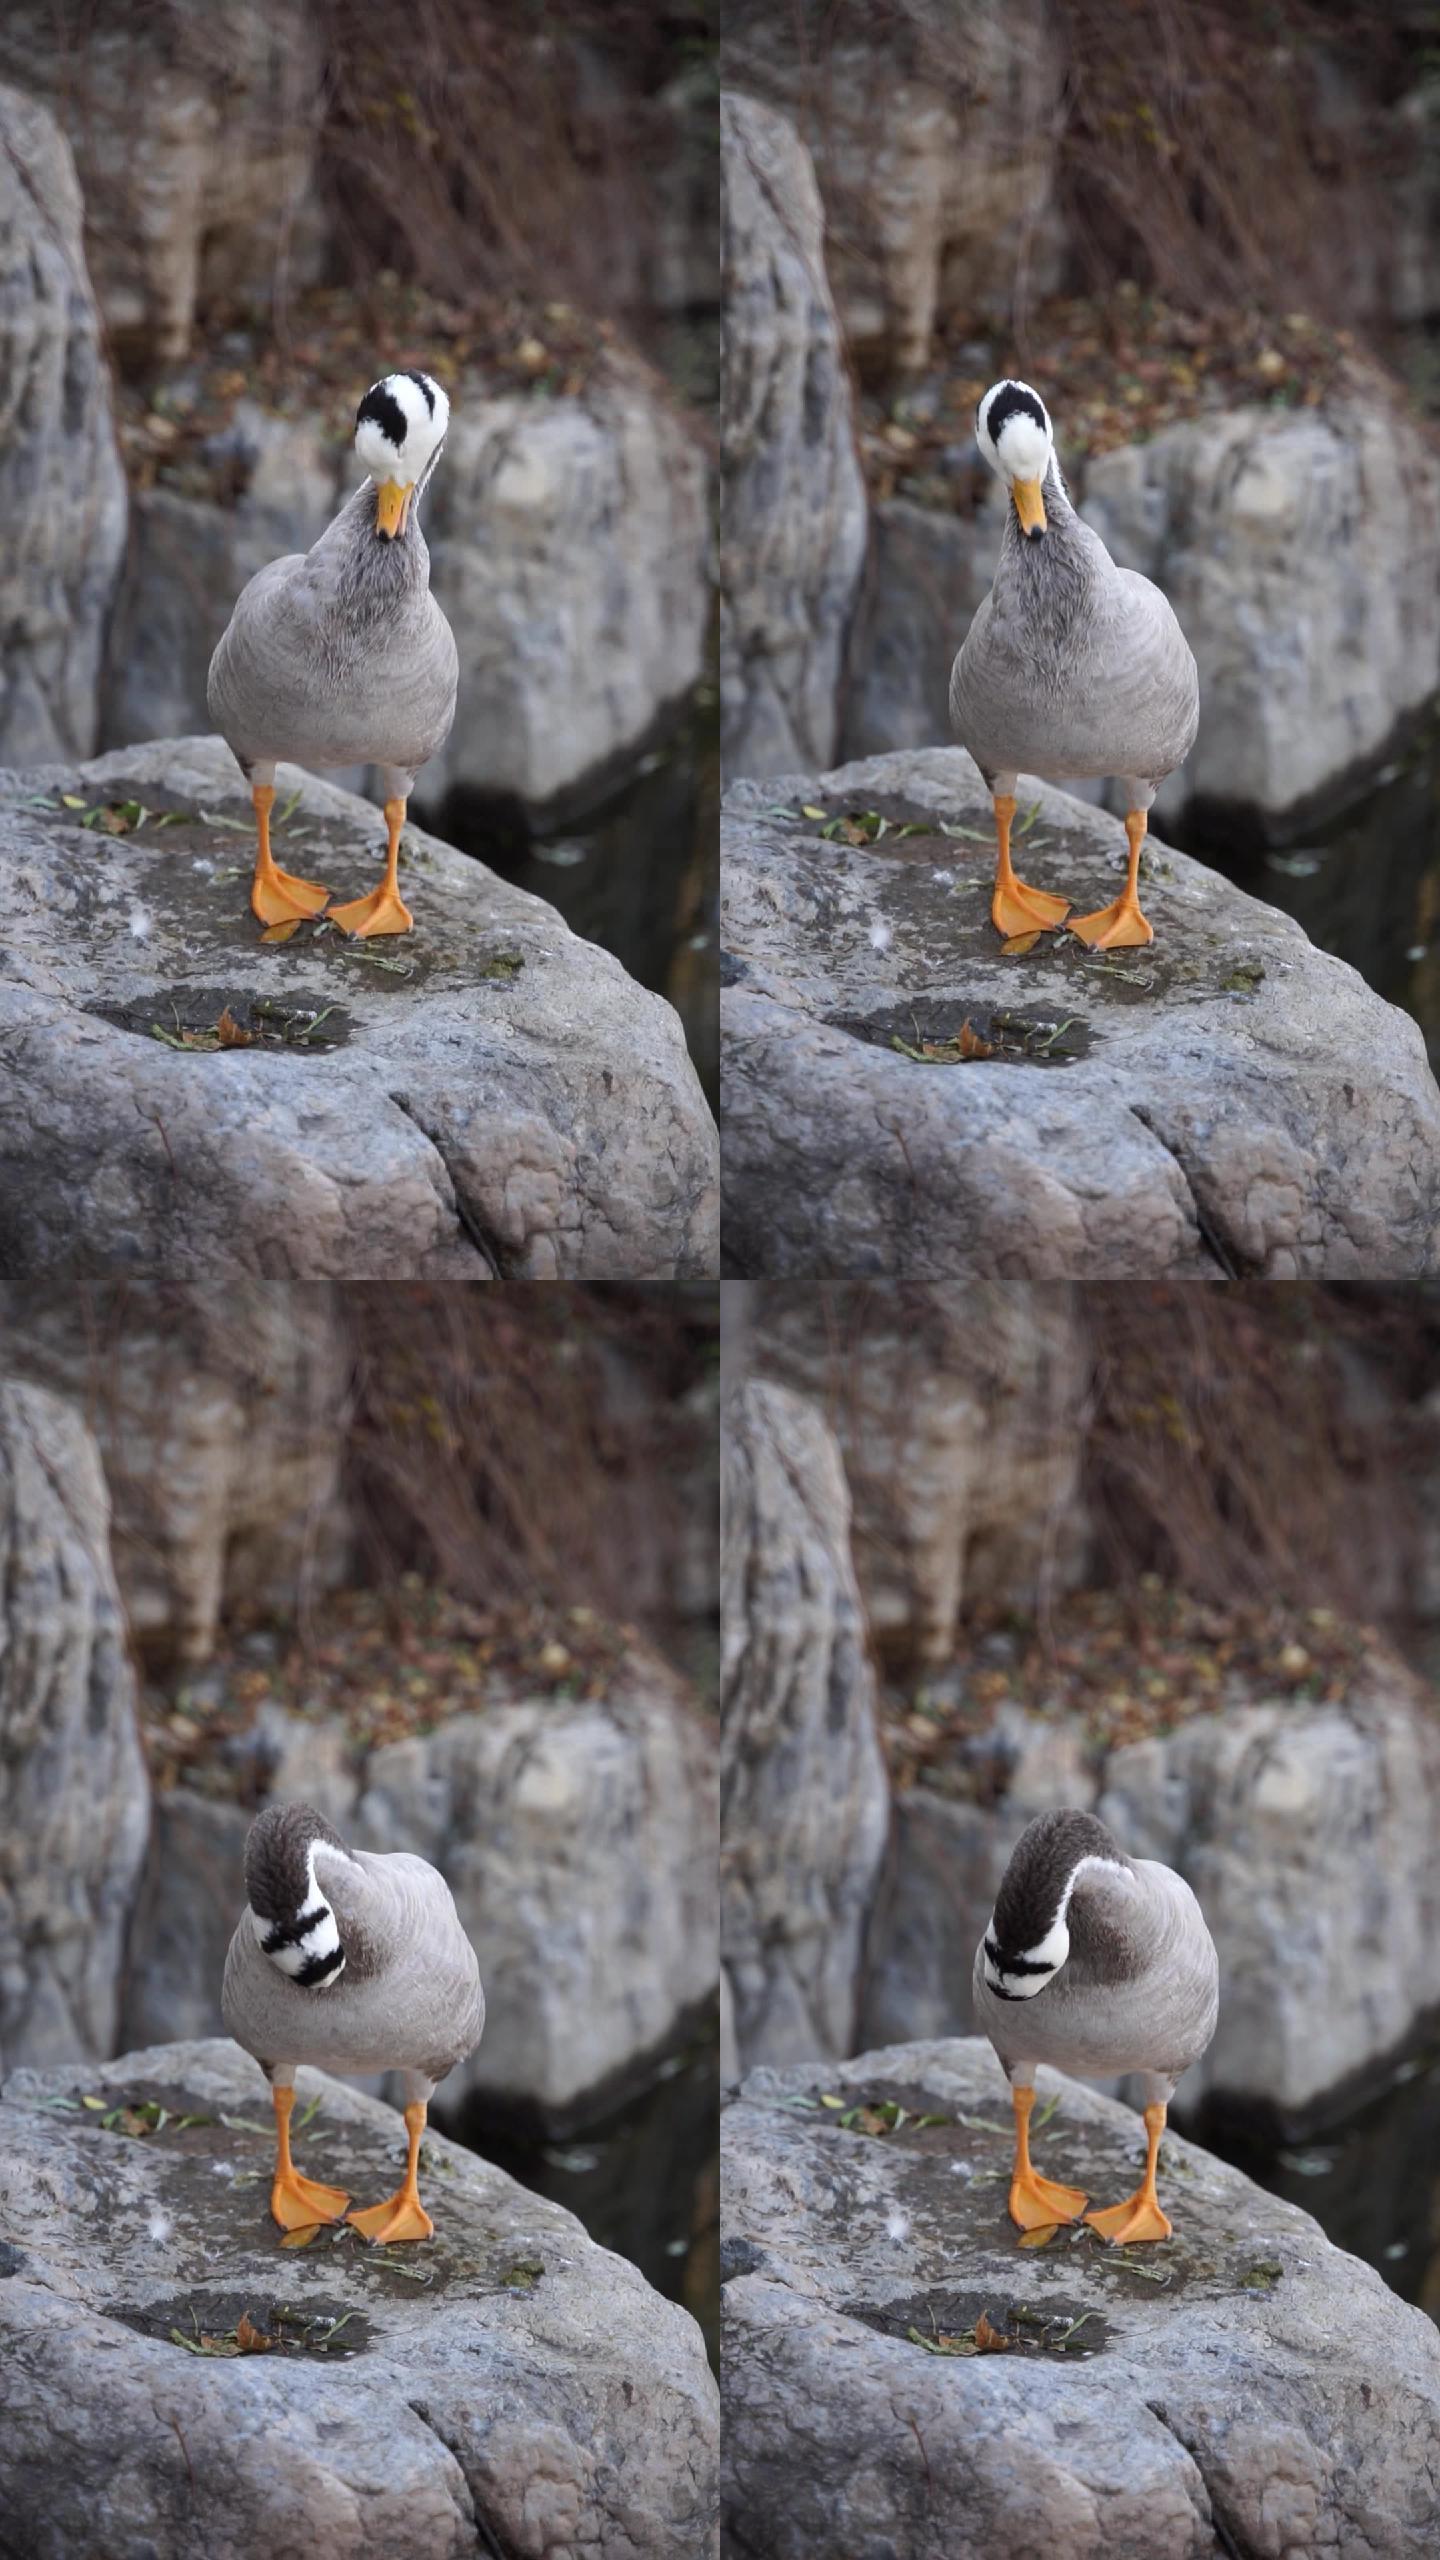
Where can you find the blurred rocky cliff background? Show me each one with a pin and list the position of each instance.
(1167, 1552)
(1211, 238)
(441, 1563)
(216, 229)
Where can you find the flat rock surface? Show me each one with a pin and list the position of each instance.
(505, 2386)
(1228, 1102)
(1241, 2388)
(484, 1097)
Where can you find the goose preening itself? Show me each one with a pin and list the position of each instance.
(1071, 668)
(1097, 1964)
(340, 655)
(356, 1963)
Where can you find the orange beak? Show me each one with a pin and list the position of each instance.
(392, 507)
(1029, 506)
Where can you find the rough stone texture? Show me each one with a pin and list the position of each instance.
(65, 517)
(944, 202)
(792, 538)
(74, 1798)
(805, 1799)
(1294, 2413)
(219, 1424)
(926, 576)
(215, 208)
(1238, 1103)
(1301, 553)
(569, 544)
(1307, 1831)
(539, 1123)
(959, 1410)
(475, 2412)
(578, 1840)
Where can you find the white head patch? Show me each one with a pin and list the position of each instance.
(400, 426)
(1013, 431)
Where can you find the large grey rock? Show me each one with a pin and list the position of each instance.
(569, 543)
(572, 544)
(65, 520)
(1269, 2397)
(530, 2394)
(74, 1797)
(1307, 1831)
(792, 535)
(1236, 1103)
(1301, 551)
(805, 1797)
(577, 1837)
(218, 207)
(959, 1409)
(928, 574)
(478, 1119)
(220, 1426)
(944, 204)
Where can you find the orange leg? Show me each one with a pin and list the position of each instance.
(1035, 2200)
(294, 2200)
(1121, 926)
(1014, 908)
(1139, 2217)
(402, 2216)
(384, 911)
(276, 896)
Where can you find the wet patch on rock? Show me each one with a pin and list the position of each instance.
(932, 1031)
(218, 2326)
(948, 2322)
(204, 1020)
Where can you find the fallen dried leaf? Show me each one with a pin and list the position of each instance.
(250, 2340)
(1042, 2233)
(990, 2341)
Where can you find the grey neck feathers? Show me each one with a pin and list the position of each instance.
(1033, 1888)
(1049, 584)
(374, 578)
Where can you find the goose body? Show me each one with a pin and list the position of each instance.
(1097, 1964)
(352, 1961)
(340, 655)
(1071, 668)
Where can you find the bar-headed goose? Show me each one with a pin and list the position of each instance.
(356, 1963)
(1097, 1964)
(1071, 668)
(340, 655)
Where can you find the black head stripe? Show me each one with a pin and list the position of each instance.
(1013, 401)
(425, 388)
(384, 411)
(319, 1969)
(290, 1934)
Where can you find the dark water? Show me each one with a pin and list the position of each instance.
(636, 871)
(1366, 885)
(643, 2179)
(1372, 2181)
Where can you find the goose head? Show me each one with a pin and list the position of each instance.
(400, 430)
(1012, 429)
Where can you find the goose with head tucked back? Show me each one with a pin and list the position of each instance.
(1097, 1964)
(340, 655)
(354, 1962)
(1072, 668)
